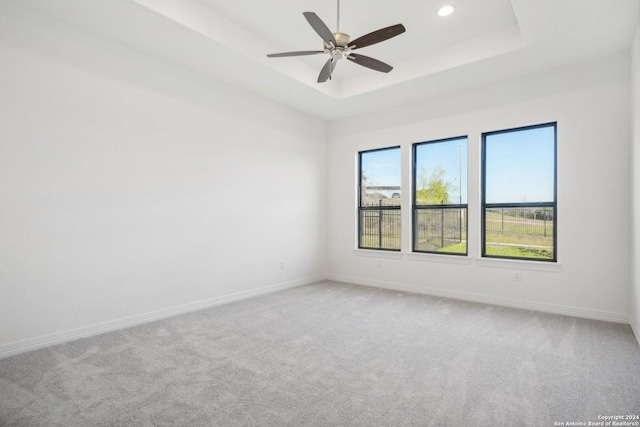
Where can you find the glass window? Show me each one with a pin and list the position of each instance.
(440, 196)
(379, 199)
(519, 193)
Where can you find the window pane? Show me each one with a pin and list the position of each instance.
(441, 172)
(380, 177)
(519, 232)
(519, 166)
(380, 229)
(379, 210)
(441, 230)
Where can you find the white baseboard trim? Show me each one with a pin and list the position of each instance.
(18, 347)
(636, 331)
(488, 299)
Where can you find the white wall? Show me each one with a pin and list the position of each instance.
(635, 115)
(590, 102)
(128, 191)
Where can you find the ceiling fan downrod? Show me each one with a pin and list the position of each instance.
(341, 49)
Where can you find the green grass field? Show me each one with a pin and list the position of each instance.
(519, 237)
(518, 230)
(520, 252)
(458, 248)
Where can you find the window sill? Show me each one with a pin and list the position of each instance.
(519, 265)
(378, 254)
(451, 259)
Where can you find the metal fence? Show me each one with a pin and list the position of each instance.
(520, 221)
(439, 228)
(380, 228)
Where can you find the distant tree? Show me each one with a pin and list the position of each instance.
(434, 189)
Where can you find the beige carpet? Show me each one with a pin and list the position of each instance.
(331, 354)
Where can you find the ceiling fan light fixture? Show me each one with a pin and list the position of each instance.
(446, 10)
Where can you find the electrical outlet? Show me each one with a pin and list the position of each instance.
(282, 266)
(379, 264)
(516, 276)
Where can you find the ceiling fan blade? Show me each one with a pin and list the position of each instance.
(327, 70)
(319, 27)
(377, 36)
(368, 62)
(301, 53)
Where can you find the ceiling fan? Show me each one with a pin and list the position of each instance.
(339, 45)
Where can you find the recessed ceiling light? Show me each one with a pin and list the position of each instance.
(446, 10)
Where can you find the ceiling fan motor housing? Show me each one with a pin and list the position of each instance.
(341, 50)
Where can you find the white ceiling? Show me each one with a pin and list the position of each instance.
(483, 42)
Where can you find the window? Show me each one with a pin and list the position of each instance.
(440, 196)
(519, 207)
(379, 199)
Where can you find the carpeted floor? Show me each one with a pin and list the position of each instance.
(332, 354)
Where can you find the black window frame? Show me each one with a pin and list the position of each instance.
(452, 206)
(553, 205)
(362, 208)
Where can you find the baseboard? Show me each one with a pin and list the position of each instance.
(488, 299)
(635, 330)
(12, 349)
